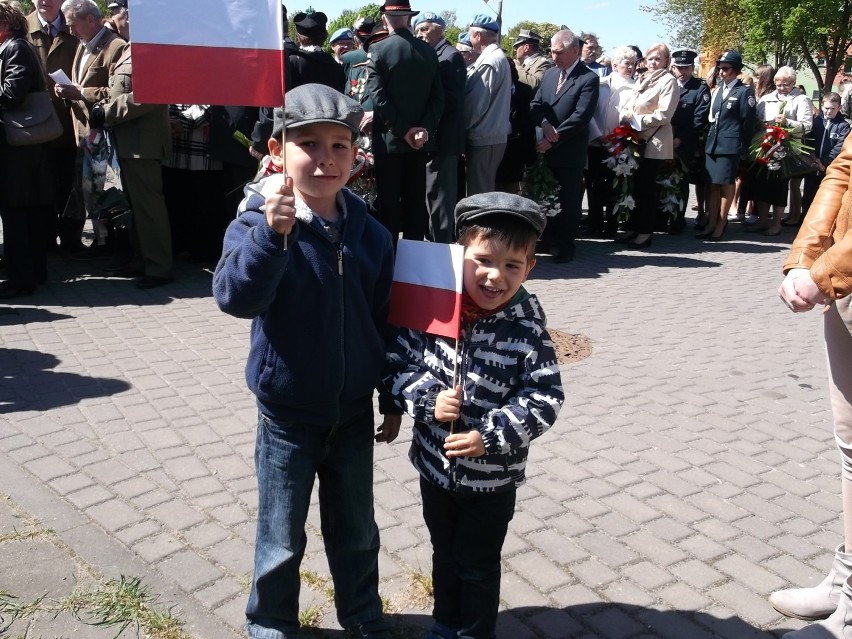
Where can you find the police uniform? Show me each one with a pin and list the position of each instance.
(689, 127)
(732, 117)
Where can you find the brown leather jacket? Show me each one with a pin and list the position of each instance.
(824, 243)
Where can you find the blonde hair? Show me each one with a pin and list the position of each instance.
(659, 46)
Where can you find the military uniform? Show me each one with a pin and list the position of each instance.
(532, 69)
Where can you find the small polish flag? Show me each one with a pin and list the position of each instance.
(427, 287)
(225, 52)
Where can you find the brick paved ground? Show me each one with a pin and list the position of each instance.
(691, 471)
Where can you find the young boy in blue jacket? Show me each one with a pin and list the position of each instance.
(313, 271)
(472, 435)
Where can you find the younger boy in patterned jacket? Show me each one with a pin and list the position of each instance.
(471, 436)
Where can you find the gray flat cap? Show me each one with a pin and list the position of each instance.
(473, 209)
(312, 103)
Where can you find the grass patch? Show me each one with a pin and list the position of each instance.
(310, 617)
(118, 603)
(30, 532)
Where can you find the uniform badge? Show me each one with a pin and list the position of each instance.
(705, 97)
(751, 101)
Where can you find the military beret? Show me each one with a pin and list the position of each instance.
(684, 58)
(313, 103)
(473, 210)
(483, 21)
(310, 24)
(429, 16)
(341, 34)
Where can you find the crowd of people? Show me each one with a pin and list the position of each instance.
(442, 121)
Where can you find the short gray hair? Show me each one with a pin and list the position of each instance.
(81, 9)
(566, 37)
(619, 54)
(786, 72)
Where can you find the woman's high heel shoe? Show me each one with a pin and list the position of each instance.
(633, 244)
(715, 238)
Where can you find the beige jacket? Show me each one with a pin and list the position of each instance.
(652, 105)
(824, 243)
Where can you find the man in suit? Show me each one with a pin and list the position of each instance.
(143, 142)
(442, 167)
(487, 106)
(562, 108)
(529, 61)
(56, 47)
(405, 85)
(689, 126)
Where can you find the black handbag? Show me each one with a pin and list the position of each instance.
(34, 121)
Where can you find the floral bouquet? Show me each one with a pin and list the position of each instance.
(624, 147)
(362, 177)
(777, 151)
(541, 187)
(669, 180)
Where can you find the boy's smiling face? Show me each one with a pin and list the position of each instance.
(494, 271)
(319, 158)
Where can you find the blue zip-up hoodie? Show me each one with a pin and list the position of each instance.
(319, 309)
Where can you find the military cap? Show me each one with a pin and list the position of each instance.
(117, 4)
(429, 16)
(397, 8)
(731, 57)
(313, 103)
(684, 58)
(310, 23)
(474, 209)
(364, 26)
(483, 21)
(524, 36)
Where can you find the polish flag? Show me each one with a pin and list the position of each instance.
(427, 287)
(225, 52)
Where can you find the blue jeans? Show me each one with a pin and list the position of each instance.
(288, 456)
(467, 533)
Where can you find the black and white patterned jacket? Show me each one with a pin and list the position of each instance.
(512, 394)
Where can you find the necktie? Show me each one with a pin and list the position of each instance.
(717, 103)
(562, 77)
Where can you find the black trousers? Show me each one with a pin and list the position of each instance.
(467, 533)
(646, 196)
(809, 190)
(562, 229)
(401, 187)
(599, 190)
(24, 250)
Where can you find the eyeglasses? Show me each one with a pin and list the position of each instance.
(725, 68)
(781, 83)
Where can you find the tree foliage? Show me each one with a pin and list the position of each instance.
(684, 19)
(346, 19)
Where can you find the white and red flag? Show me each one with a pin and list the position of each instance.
(427, 287)
(225, 52)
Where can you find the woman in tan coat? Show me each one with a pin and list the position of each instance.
(819, 273)
(650, 111)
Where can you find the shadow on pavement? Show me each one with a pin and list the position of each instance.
(28, 383)
(10, 316)
(622, 621)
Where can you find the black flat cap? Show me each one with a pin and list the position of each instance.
(313, 103)
(474, 210)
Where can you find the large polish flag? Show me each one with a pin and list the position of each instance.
(225, 52)
(427, 287)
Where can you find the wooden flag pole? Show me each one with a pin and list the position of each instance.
(283, 100)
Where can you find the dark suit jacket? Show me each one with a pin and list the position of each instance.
(689, 122)
(570, 112)
(450, 138)
(404, 82)
(314, 67)
(58, 54)
(731, 133)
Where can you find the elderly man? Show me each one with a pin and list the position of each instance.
(97, 54)
(408, 100)
(488, 95)
(591, 52)
(464, 47)
(56, 47)
(341, 41)
(529, 61)
(562, 108)
(442, 167)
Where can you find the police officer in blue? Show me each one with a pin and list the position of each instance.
(689, 125)
(732, 117)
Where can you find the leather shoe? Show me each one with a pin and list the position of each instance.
(152, 281)
(625, 238)
(632, 244)
(564, 254)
